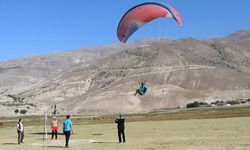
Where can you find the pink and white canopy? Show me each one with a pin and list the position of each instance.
(141, 14)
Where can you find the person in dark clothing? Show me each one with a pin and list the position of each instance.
(20, 131)
(120, 126)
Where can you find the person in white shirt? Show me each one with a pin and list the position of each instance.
(20, 131)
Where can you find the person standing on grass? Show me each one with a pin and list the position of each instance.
(67, 130)
(54, 128)
(20, 131)
(120, 126)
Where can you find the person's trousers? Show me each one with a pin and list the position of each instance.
(20, 136)
(67, 136)
(54, 132)
(138, 91)
(121, 135)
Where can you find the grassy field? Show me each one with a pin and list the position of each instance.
(196, 129)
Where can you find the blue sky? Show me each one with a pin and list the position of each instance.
(31, 27)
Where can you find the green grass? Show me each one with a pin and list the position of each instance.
(175, 129)
(163, 114)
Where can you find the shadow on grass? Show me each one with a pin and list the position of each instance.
(9, 144)
(53, 146)
(97, 134)
(42, 133)
(104, 142)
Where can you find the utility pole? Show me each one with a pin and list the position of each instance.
(45, 135)
(54, 112)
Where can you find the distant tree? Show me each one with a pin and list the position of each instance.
(203, 103)
(193, 105)
(16, 111)
(23, 111)
(233, 102)
(243, 102)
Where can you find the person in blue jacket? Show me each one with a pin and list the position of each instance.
(142, 88)
(67, 130)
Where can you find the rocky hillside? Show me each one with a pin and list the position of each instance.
(176, 72)
(240, 38)
(24, 72)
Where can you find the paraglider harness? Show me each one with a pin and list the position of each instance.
(142, 89)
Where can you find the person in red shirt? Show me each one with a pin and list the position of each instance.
(54, 128)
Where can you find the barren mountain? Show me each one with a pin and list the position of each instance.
(23, 72)
(176, 72)
(240, 38)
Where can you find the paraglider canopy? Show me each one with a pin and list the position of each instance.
(141, 14)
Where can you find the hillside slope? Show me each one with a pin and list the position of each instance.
(176, 72)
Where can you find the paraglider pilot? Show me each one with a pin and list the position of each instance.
(142, 88)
